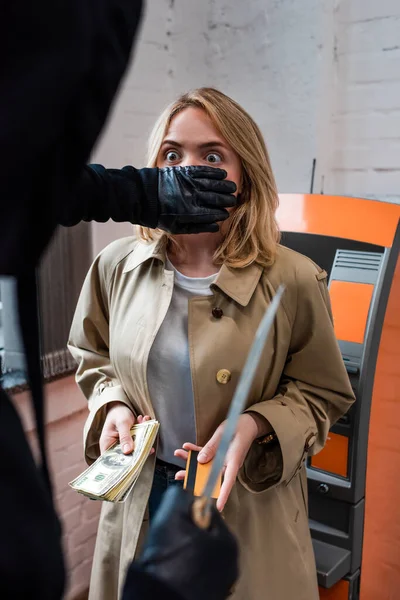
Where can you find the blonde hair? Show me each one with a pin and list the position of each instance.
(253, 233)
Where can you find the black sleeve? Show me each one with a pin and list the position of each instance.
(126, 194)
(31, 564)
(142, 586)
(62, 64)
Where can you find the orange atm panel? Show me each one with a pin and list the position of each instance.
(380, 566)
(340, 591)
(354, 491)
(334, 458)
(350, 324)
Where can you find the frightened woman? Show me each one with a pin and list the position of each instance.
(162, 329)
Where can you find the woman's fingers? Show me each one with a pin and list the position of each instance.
(117, 427)
(236, 454)
(230, 475)
(143, 419)
(210, 449)
(110, 433)
(182, 454)
(107, 440)
(234, 459)
(180, 476)
(124, 420)
(125, 437)
(184, 451)
(193, 447)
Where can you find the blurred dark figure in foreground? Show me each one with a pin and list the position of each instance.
(62, 64)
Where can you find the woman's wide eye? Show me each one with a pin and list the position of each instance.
(172, 156)
(213, 158)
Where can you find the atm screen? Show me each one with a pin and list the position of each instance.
(322, 249)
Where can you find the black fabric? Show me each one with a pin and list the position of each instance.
(62, 64)
(139, 585)
(101, 194)
(176, 199)
(61, 67)
(31, 564)
(62, 61)
(197, 563)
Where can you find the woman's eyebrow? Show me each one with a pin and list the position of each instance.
(171, 143)
(212, 144)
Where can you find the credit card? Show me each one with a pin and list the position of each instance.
(197, 476)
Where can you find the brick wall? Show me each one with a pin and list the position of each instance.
(66, 414)
(266, 55)
(362, 147)
(320, 77)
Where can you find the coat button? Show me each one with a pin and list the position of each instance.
(217, 312)
(223, 376)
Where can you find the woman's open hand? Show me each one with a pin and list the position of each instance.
(248, 429)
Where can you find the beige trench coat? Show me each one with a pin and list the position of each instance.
(301, 388)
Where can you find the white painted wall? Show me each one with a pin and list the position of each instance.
(363, 153)
(320, 77)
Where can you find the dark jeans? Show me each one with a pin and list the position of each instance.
(164, 477)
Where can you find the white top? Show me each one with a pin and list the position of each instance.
(168, 370)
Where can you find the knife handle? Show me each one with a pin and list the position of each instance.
(201, 513)
(195, 481)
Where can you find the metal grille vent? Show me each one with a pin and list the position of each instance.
(349, 259)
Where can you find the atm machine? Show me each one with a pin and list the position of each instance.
(354, 482)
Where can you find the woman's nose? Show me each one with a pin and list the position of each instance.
(190, 161)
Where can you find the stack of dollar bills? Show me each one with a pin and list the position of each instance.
(112, 476)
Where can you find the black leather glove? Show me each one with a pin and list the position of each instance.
(189, 562)
(193, 199)
(176, 199)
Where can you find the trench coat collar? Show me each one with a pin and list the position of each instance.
(144, 251)
(238, 284)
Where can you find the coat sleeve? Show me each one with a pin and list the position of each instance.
(89, 344)
(314, 390)
(123, 195)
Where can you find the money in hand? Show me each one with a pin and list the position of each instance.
(112, 476)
